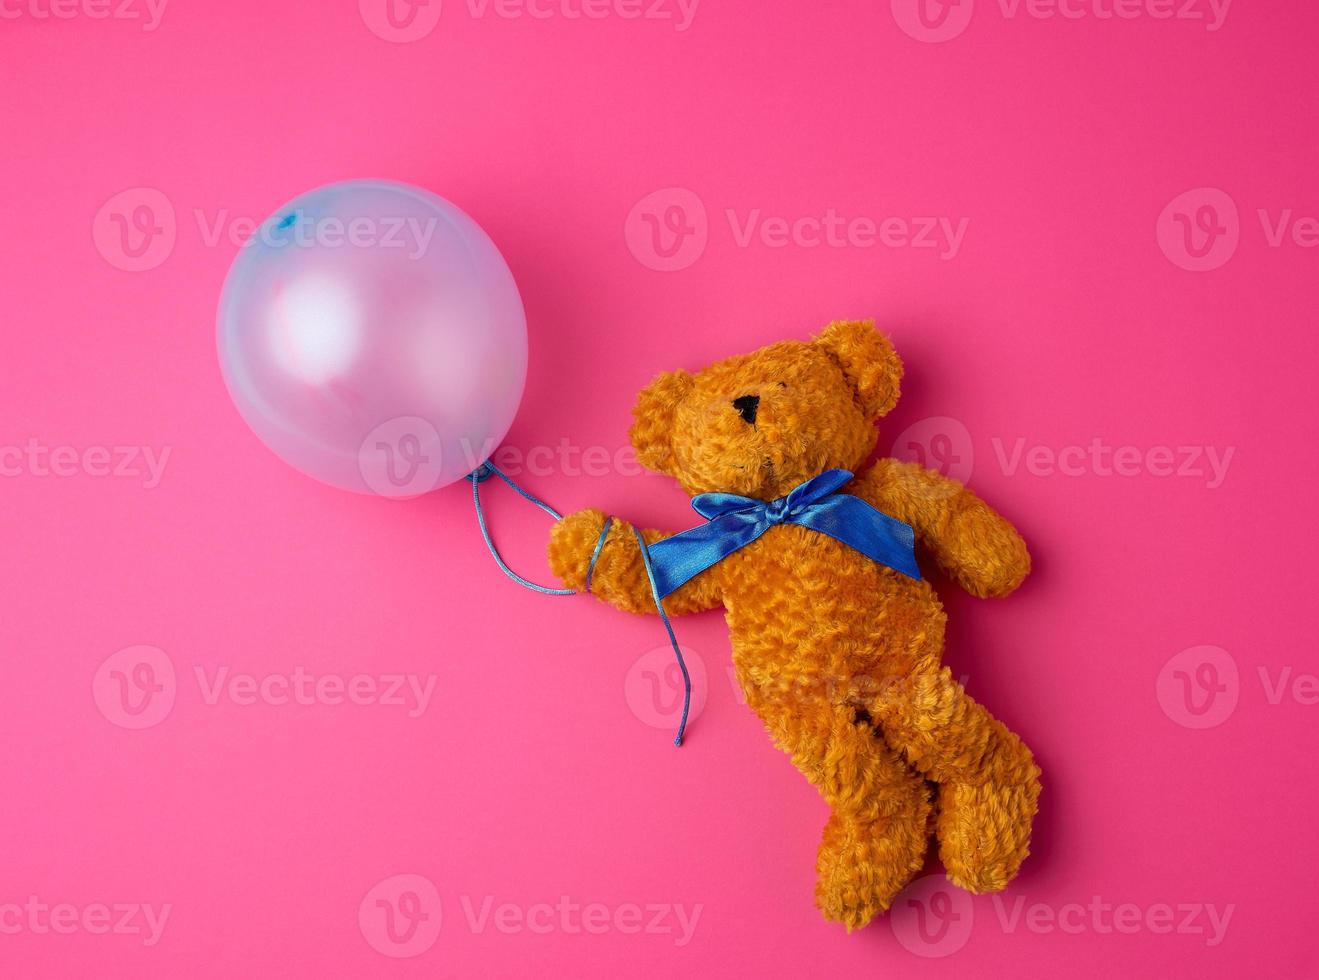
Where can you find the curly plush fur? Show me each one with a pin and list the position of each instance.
(839, 656)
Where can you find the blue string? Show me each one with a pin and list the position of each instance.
(479, 476)
(488, 469)
(673, 640)
(599, 547)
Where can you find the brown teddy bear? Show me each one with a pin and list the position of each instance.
(838, 654)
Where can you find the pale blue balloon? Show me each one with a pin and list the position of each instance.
(372, 335)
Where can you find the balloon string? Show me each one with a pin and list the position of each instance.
(479, 476)
(673, 640)
(488, 469)
(595, 555)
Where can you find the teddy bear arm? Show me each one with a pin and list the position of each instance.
(619, 577)
(974, 544)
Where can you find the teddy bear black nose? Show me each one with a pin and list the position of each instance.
(746, 407)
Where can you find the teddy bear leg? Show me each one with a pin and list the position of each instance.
(988, 781)
(877, 836)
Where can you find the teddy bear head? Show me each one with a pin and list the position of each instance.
(759, 424)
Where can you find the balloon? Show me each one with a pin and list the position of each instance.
(371, 334)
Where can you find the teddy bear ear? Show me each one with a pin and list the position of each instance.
(868, 361)
(653, 418)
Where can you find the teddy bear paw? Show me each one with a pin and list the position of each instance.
(861, 868)
(984, 832)
(572, 542)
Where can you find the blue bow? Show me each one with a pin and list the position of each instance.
(734, 522)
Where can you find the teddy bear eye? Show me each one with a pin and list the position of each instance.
(783, 384)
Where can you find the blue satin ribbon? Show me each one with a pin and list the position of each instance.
(734, 522)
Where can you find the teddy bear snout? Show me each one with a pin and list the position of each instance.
(746, 407)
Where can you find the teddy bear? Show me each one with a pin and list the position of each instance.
(838, 654)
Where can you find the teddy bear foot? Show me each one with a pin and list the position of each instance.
(861, 872)
(984, 832)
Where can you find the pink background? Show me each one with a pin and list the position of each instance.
(542, 766)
